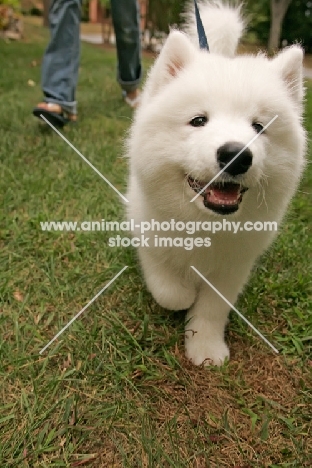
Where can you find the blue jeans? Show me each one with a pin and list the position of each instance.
(60, 63)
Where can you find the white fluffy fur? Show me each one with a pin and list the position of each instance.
(223, 26)
(163, 147)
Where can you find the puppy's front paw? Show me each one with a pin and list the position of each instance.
(205, 349)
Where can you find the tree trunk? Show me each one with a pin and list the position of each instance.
(103, 29)
(278, 11)
(46, 6)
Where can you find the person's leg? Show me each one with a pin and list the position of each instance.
(126, 20)
(61, 59)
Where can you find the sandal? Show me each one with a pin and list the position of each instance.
(54, 114)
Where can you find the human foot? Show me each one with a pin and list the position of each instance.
(54, 114)
(132, 98)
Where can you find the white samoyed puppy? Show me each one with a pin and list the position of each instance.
(199, 109)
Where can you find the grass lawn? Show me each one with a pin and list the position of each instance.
(115, 389)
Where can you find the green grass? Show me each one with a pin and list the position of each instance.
(115, 389)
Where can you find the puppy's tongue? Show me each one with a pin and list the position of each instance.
(227, 194)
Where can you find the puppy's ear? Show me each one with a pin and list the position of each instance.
(176, 54)
(289, 64)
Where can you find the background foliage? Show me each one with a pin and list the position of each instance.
(16, 4)
(297, 25)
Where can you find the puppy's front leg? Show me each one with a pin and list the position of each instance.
(205, 324)
(170, 290)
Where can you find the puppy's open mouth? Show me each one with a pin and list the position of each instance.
(220, 197)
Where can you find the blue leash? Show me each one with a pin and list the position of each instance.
(203, 43)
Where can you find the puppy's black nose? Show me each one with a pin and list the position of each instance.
(227, 153)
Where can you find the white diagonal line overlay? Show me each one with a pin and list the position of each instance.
(235, 310)
(83, 309)
(236, 156)
(85, 159)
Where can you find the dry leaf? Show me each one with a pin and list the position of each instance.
(18, 296)
(67, 363)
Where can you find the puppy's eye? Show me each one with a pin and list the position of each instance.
(257, 126)
(199, 121)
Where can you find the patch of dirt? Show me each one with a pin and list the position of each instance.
(243, 416)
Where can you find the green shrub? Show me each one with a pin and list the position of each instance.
(16, 4)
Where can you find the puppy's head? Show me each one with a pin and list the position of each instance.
(202, 128)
